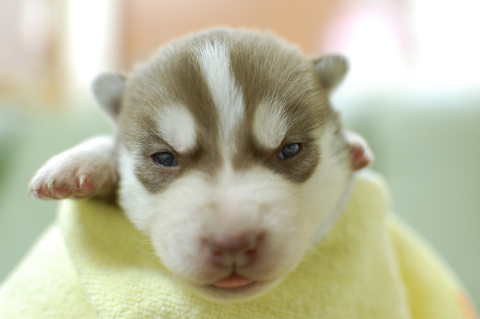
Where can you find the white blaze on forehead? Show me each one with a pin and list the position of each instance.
(214, 61)
(269, 124)
(177, 127)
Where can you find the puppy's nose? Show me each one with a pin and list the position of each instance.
(227, 249)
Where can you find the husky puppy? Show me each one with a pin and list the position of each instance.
(227, 155)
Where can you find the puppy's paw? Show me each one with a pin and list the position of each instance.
(360, 152)
(84, 171)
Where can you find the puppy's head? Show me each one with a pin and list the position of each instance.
(230, 157)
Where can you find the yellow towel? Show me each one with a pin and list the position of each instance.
(94, 264)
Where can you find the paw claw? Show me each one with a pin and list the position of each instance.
(81, 180)
(50, 184)
(32, 189)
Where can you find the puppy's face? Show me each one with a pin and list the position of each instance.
(230, 158)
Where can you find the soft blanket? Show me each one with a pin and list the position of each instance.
(92, 263)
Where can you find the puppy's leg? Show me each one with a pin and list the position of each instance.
(87, 170)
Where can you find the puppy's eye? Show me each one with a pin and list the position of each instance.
(289, 150)
(165, 159)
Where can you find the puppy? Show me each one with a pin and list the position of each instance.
(227, 155)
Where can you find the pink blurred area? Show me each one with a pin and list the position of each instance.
(38, 61)
(27, 49)
(149, 23)
(51, 48)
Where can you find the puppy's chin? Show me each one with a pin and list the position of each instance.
(250, 291)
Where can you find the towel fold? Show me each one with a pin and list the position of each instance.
(92, 263)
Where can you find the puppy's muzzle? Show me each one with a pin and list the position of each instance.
(232, 249)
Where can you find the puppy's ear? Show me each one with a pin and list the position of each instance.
(331, 70)
(108, 90)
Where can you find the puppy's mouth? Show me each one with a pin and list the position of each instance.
(233, 281)
(235, 287)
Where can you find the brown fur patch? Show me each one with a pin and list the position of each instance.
(263, 69)
(173, 77)
(267, 70)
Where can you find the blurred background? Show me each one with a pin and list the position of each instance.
(413, 91)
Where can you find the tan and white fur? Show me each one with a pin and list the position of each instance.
(228, 157)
